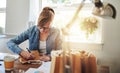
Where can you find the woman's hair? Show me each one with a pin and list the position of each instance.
(45, 16)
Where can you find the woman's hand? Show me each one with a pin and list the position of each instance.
(27, 55)
(45, 58)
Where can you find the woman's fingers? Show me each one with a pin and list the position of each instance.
(27, 55)
(44, 58)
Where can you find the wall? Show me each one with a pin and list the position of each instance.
(111, 48)
(17, 16)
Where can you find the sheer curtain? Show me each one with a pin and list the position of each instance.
(2, 15)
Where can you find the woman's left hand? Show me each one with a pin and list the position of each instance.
(45, 58)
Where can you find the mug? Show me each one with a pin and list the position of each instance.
(9, 62)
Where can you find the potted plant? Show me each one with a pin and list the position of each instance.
(89, 25)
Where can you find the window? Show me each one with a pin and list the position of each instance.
(2, 15)
(64, 11)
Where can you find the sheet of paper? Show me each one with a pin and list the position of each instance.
(32, 70)
(44, 68)
(2, 69)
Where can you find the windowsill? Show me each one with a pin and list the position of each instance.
(83, 45)
(85, 42)
(6, 36)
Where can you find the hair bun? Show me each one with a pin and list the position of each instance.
(48, 9)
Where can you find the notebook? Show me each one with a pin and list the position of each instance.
(35, 60)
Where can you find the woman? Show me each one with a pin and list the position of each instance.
(42, 37)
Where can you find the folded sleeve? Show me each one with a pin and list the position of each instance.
(13, 44)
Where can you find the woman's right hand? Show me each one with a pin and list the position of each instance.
(26, 55)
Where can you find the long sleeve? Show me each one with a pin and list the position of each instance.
(13, 44)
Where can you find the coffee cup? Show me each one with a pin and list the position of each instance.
(9, 62)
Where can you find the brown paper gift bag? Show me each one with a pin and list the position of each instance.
(57, 64)
(81, 63)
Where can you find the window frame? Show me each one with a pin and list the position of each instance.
(87, 6)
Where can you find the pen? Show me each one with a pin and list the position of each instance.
(31, 56)
(28, 50)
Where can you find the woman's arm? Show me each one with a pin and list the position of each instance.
(13, 43)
